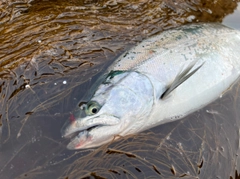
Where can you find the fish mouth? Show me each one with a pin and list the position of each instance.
(85, 130)
(79, 130)
(79, 138)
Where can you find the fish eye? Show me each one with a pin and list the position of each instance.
(92, 108)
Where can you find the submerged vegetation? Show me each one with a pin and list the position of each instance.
(51, 52)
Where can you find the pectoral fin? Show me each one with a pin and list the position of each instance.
(180, 78)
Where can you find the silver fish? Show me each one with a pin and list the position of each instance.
(162, 79)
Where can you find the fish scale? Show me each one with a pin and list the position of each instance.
(171, 40)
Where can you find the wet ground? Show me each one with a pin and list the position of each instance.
(52, 52)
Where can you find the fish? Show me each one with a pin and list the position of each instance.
(162, 79)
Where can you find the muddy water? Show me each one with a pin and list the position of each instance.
(52, 52)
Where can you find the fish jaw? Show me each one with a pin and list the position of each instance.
(79, 141)
(88, 131)
(96, 137)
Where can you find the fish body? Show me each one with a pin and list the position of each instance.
(162, 79)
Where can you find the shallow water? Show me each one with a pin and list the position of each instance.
(53, 51)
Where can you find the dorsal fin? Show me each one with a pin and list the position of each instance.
(180, 78)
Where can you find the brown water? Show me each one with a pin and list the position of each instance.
(52, 52)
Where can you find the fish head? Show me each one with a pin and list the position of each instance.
(115, 109)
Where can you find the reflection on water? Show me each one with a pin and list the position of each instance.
(52, 52)
(232, 20)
